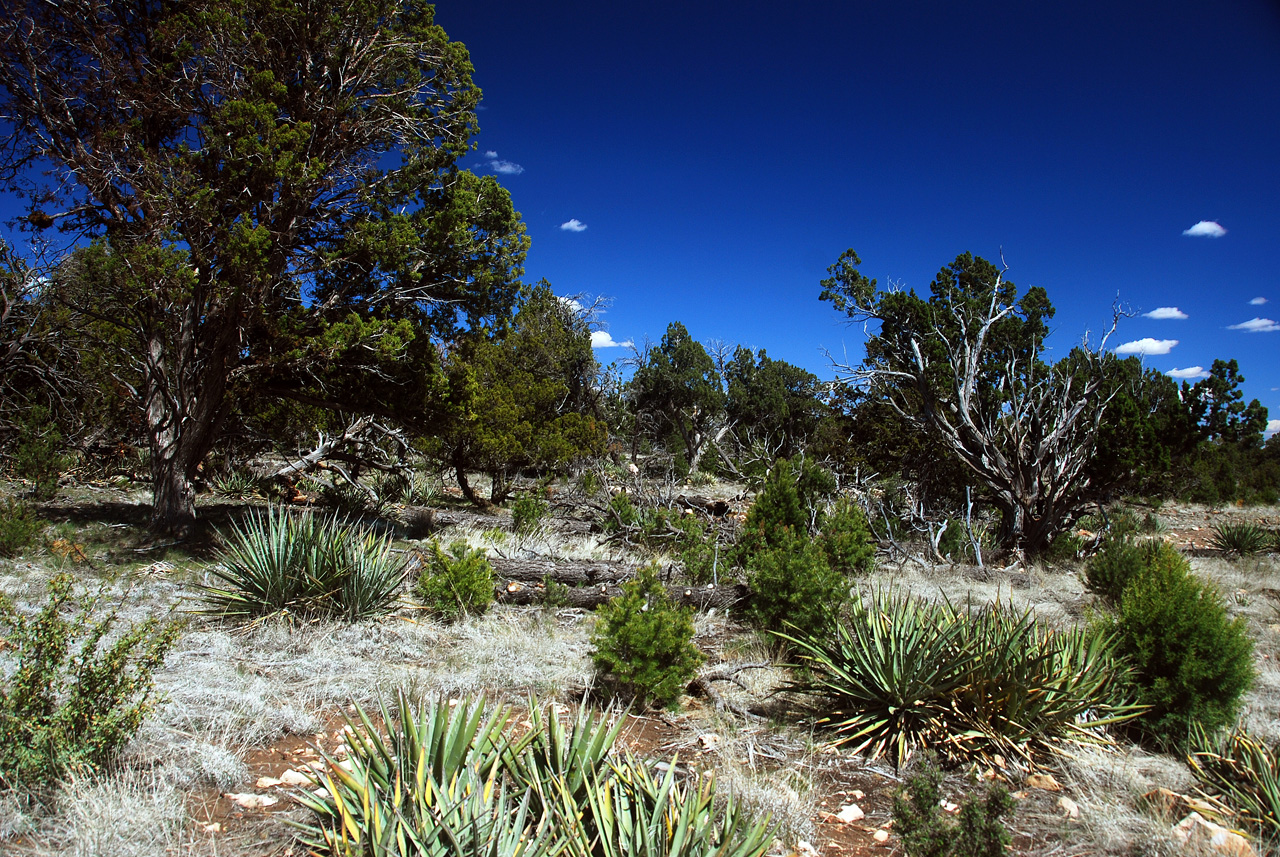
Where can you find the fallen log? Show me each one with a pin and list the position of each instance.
(722, 597)
(567, 573)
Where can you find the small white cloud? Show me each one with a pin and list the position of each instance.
(491, 154)
(1273, 426)
(574, 225)
(1255, 325)
(506, 168)
(1147, 346)
(573, 304)
(1166, 312)
(1206, 229)
(1257, 302)
(602, 339)
(1188, 374)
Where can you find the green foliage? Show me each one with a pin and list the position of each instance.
(1245, 771)
(794, 586)
(38, 454)
(528, 511)
(1241, 539)
(304, 565)
(520, 396)
(78, 692)
(789, 504)
(926, 830)
(846, 539)
(1118, 561)
(456, 781)
(455, 583)
(771, 401)
(676, 394)
(1191, 662)
(644, 643)
(901, 674)
(236, 484)
(18, 527)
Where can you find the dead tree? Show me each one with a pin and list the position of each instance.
(965, 367)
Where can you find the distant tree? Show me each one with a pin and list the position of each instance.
(1217, 405)
(521, 397)
(277, 188)
(771, 402)
(678, 394)
(965, 367)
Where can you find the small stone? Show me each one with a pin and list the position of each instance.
(1070, 808)
(1044, 782)
(881, 836)
(851, 813)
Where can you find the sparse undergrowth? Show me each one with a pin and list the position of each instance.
(77, 694)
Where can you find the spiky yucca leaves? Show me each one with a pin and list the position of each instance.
(903, 674)
(636, 814)
(1245, 771)
(1241, 539)
(307, 565)
(452, 781)
(434, 776)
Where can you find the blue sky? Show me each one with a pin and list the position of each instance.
(721, 155)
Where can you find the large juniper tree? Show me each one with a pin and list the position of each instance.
(275, 186)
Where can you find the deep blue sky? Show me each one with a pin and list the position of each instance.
(722, 155)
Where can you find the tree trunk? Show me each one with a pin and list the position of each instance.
(469, 491)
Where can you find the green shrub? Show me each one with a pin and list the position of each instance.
(621, 513)
(304, 565)
(846, 539)
(18, 527)
(901, 674)
(1191, 662)
(1109, 571)
(38, 454)
(75, 697)
(454, 781)
(455, 583)
(1240, 539)
(644, 643)
(780, 511)
(528, 511)
(927, 831)
(794, 586)
(1246, 771)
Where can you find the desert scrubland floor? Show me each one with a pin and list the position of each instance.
(246, 705)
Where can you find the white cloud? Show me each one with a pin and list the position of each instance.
(1206, 229)
(1191, 372)
(1255, 325)
(572, 303)
(491, 154)
(507, 168)
(1273, 426)
(574, 225)
(1166, 312)
(1147, 346)
(1257, 302)
(602, 339)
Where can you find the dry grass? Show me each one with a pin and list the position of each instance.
(230, 688)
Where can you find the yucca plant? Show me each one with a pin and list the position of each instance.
(308, 565)
(1241, 539)
(903, 674)
(430, 788)
(636, 814)
(1245, 770)
(452, 780)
